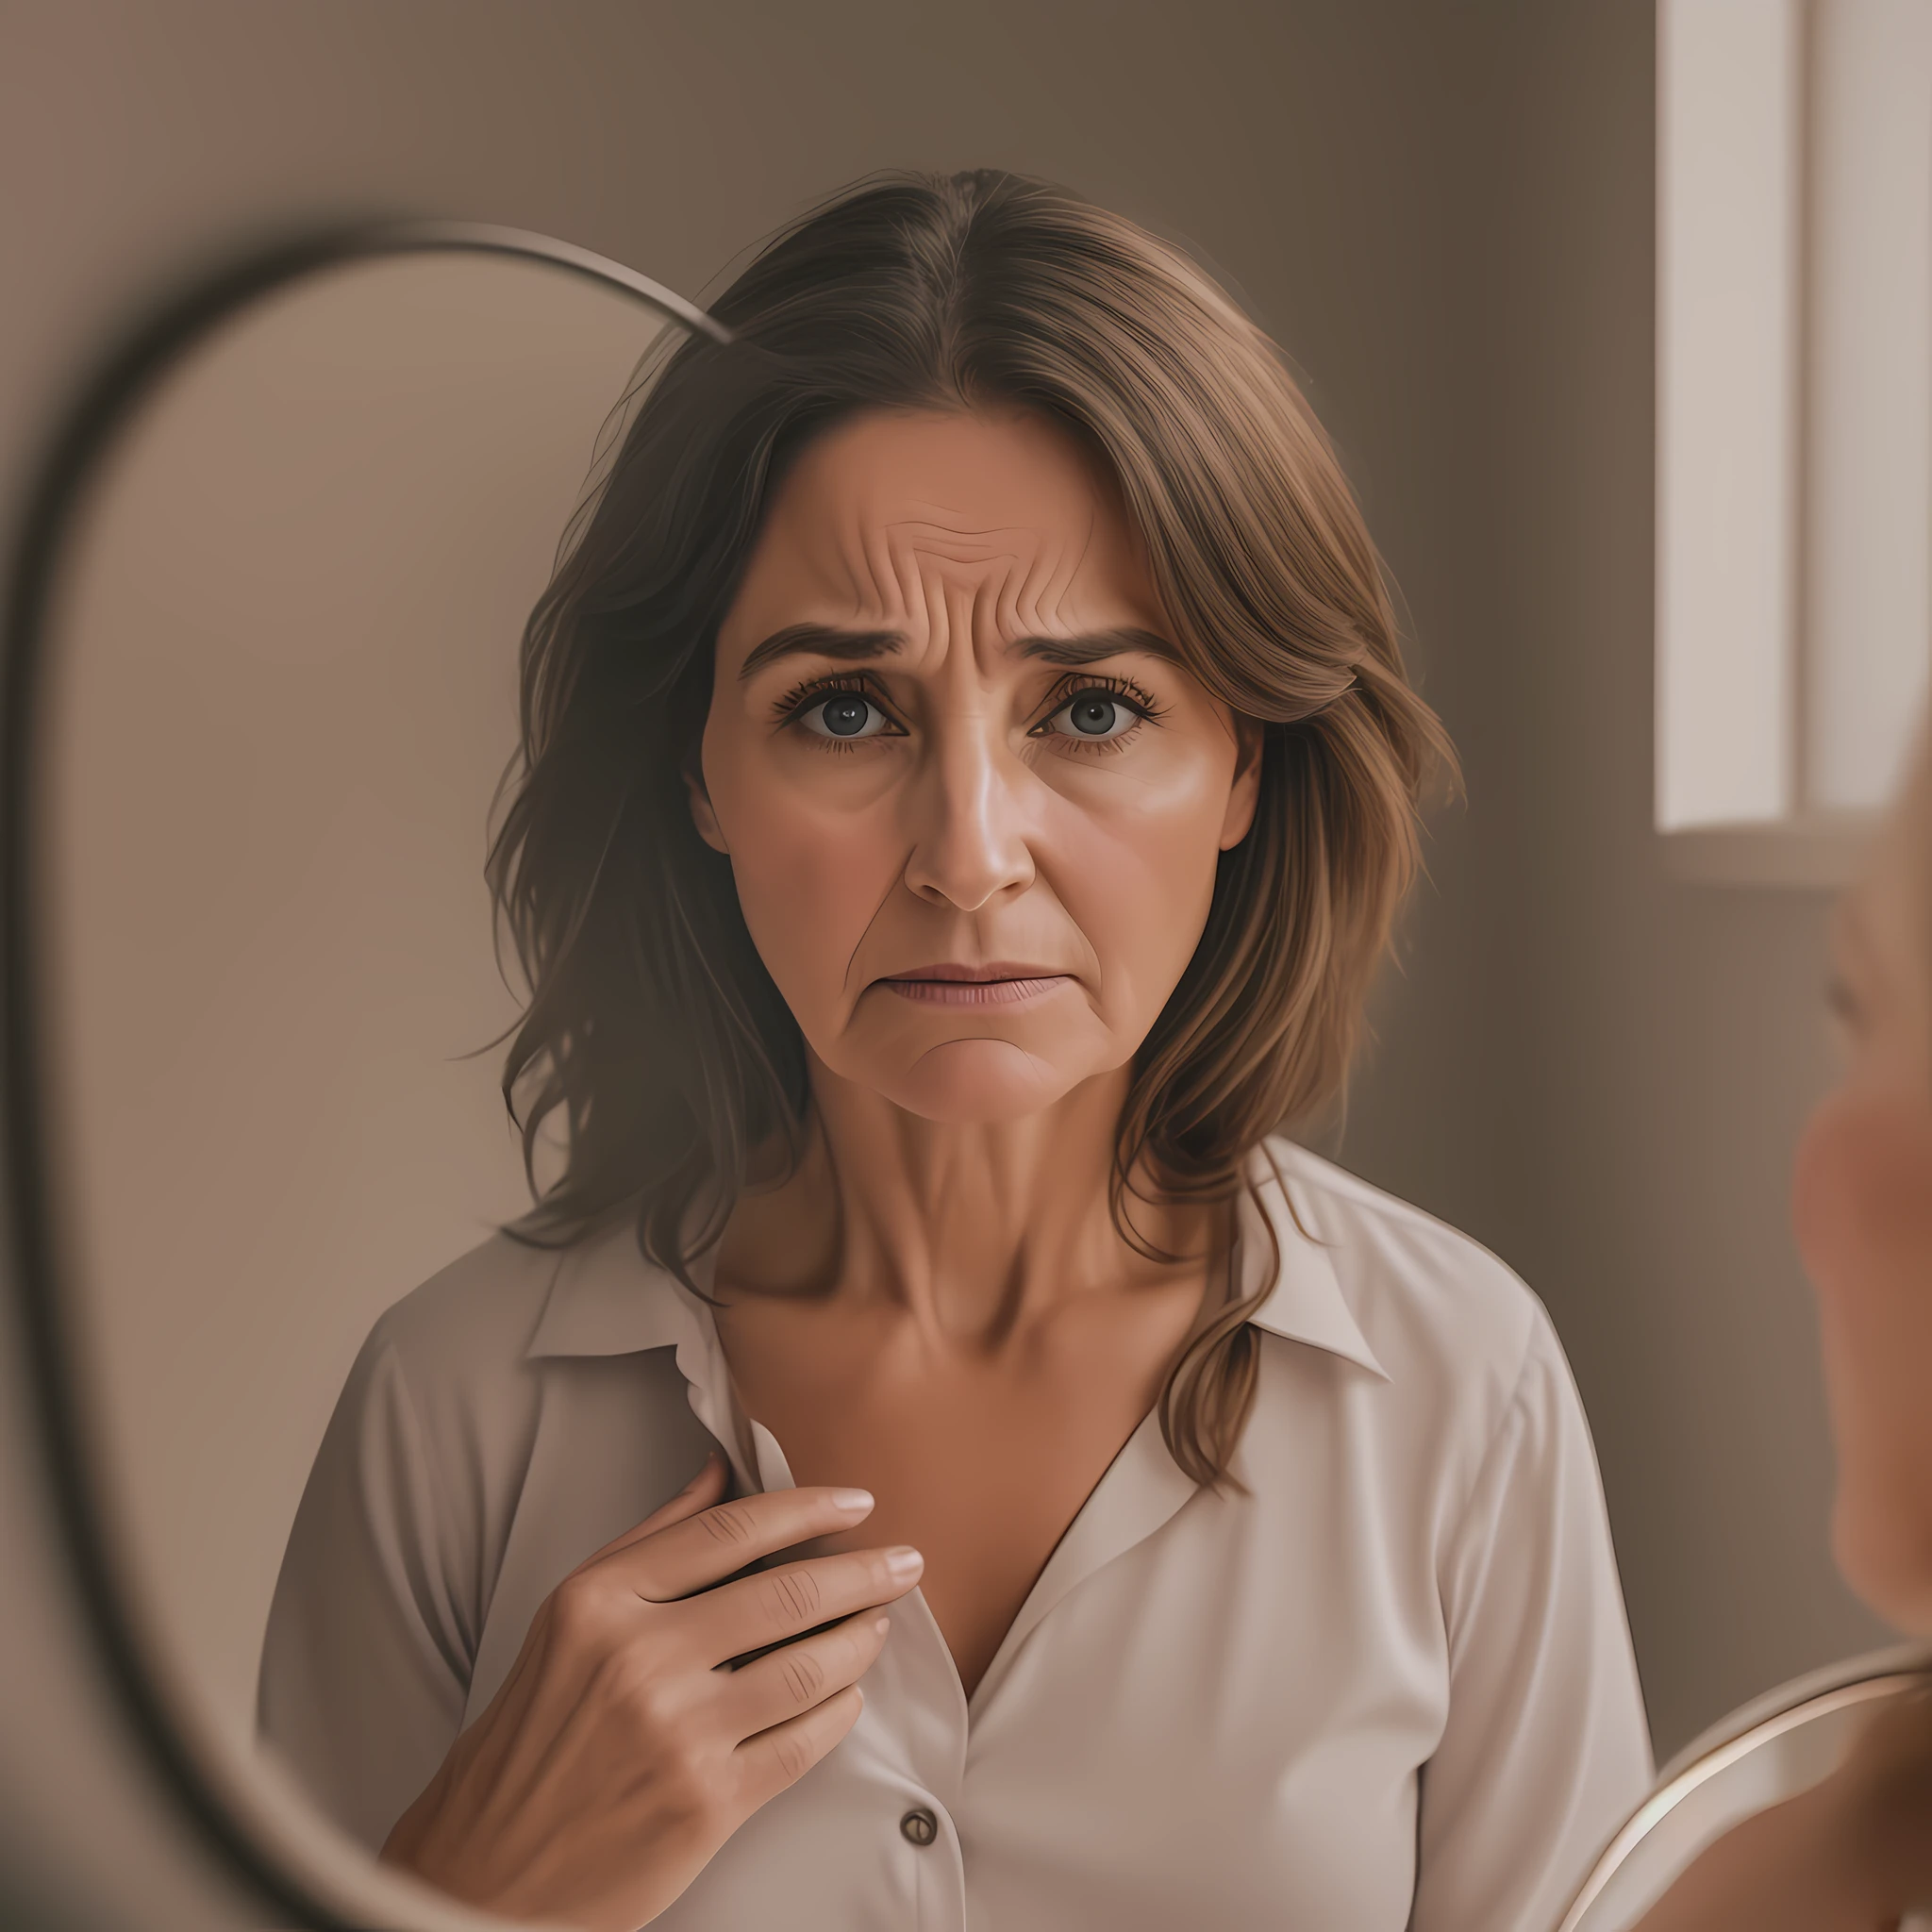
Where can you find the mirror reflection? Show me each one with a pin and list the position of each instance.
(695, 989)
(281, 688)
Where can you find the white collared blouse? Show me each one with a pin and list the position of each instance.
(1388, 1683)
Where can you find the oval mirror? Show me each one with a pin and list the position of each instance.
(265, 686)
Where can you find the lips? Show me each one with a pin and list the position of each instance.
(999, 983)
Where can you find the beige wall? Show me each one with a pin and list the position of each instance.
(1632, 1056)
(1445, 213)
(285, 693)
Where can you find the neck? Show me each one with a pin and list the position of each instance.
(976, 1230)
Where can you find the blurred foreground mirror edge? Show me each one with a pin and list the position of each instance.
(237, 1825)
(1753, 1727)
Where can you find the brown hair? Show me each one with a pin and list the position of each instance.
(653, 1033)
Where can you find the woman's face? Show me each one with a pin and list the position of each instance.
(1863, 1208)
(971, 799)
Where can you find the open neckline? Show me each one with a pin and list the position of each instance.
(1104, 1525)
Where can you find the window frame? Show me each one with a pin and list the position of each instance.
(1793, 427)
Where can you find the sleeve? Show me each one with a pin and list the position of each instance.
(366, 1663)
(1546, 1749)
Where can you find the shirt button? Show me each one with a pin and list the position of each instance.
(918, 1826)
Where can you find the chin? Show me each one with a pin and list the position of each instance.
(976, 1082)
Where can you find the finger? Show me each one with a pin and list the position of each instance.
(704, 1489)
(791, 1679)
(714, 1543)
(774, 1605)
(773, 1759)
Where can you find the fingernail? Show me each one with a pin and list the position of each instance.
(881, 1624)
(904, 1562)
(854, 1502)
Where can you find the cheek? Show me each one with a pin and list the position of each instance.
(1139, 894)
(812, 863)
(1134, 864)
(1863, 1198)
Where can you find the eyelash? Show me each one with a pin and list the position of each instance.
(1125, 689)
(802, 697)
(799, 697)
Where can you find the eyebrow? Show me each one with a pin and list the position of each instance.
(855, 646)
(1089, 647)
(820, 640)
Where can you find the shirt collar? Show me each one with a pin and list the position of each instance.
(607, 1299)
(1306, 1302)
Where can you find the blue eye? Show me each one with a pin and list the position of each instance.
(844, 714)
(1094, 715)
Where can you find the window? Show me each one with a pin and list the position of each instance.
(1794, 424)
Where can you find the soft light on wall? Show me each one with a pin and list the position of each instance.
(1794, 424)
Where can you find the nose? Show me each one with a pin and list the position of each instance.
(970, 842)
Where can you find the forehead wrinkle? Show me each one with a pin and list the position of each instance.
(967, 545)
(1060, 584)
(973, 552)
(874, 576)
(990, 639)
(1020, 597)
(932, 597)
(1021, 587)
(957, 569)
(1039, 597)
(1019, 590)
(964, 532)
(944, 588)
(955, 562)
(974, 603)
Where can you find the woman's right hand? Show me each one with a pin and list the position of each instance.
(619, 1754)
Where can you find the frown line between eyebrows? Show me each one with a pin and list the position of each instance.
(853, 646)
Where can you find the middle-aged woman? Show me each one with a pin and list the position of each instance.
(1854, 1854)
(968, 776)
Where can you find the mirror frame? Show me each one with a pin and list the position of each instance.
(1819, 1694)
(56, 492)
